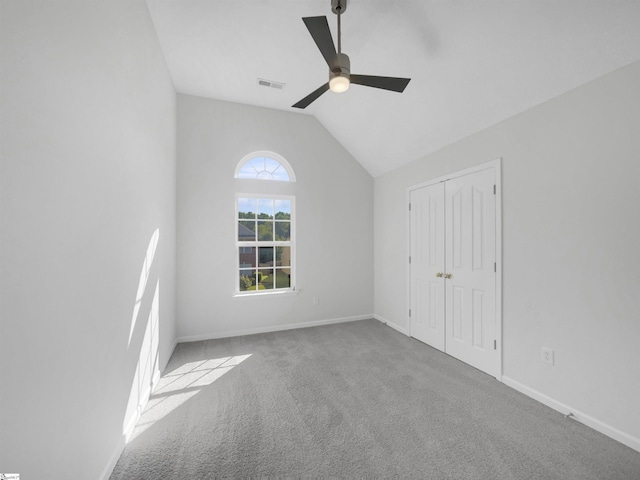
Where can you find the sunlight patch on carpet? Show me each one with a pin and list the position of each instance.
(183, 383)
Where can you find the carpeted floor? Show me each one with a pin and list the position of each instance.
(352, 400)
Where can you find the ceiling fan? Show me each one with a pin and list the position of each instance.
(340, 76)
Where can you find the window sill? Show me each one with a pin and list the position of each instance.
(287, 293)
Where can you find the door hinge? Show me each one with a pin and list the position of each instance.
(494, 189)
(409, 258)
(409, 312)
(409, 207)
(495, 345)
(495, 267)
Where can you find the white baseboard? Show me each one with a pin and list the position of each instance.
(273, 328)
(111, 464)
(128, 430)
(166, 360)
(602, 427)
(396, 327)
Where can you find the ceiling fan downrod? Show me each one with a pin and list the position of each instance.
(339, 76)
(338, 7)
(339, 34)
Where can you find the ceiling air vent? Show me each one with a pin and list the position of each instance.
(270, 83)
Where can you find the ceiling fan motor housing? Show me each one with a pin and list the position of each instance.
(344, 67)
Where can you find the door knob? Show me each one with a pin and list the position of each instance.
(439, 274)
(447, 275)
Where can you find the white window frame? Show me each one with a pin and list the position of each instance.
(261, 243)
(272, 155)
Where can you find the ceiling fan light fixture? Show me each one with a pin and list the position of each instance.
(340, 78)
(339, 84)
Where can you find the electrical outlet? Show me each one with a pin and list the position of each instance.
(316, 300)
(547, 355)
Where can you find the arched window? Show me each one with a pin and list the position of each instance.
(265, 227)
(265, 166)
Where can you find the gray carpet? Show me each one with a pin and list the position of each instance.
(352, 400)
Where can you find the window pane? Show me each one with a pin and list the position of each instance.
(283, 256)
(280, 174)
(246, 172)
(283, 278)
(247, 280)
(246, 230)
(283, 209)
(265, 279)
(265, 208)
(266, 256)
(247, 259)
(271, 165)
(247, 207)
(283, 231)
(265, 230)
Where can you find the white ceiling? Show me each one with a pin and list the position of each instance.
(472, 63)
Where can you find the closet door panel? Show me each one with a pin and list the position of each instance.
(470, 289)
(427, 265)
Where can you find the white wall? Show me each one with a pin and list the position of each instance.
(87, 175)
(571, 256)
(333, 210)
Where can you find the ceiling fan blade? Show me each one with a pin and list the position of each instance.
(306, 101)
(386, 83)
(319, 29)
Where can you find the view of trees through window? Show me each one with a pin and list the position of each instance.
(264, 240)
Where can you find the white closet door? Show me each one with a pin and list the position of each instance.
(470, 280)
(427, 265)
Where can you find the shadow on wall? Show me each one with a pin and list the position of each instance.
(144, 339)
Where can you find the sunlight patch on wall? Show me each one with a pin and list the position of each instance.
(147, 368)
(144, 277)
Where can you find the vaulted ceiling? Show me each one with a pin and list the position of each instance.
(472, 63)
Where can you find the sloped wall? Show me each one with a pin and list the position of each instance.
(87, 218)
